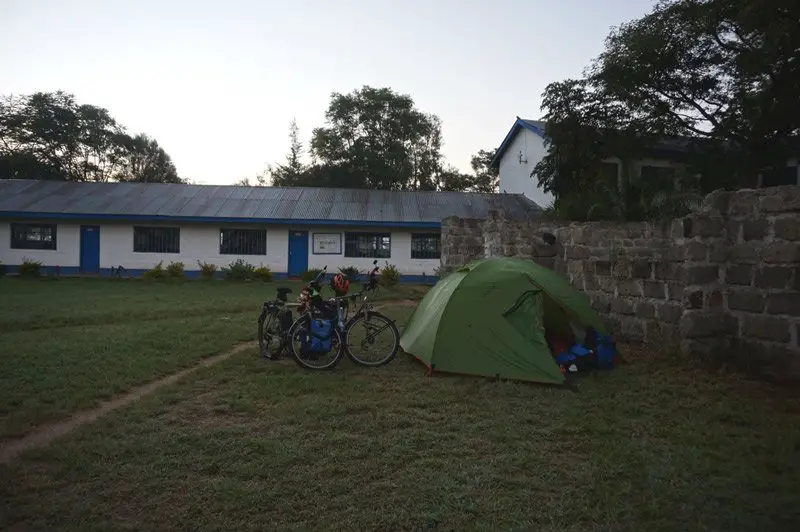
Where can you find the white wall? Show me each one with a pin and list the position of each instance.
(197, 242)
(67, 252)
(515, 176)
(401, 252)
(201, 242)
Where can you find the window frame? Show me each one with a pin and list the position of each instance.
(166, 249)
(421, 254)
(261, 243)
(351, 241)
(23, 228)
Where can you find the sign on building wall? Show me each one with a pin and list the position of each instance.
(327, 244)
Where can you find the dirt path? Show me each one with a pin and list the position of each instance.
(47, 433)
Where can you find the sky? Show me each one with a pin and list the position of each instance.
(218, 83)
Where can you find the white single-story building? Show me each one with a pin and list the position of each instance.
(525, 145)
(94, 228)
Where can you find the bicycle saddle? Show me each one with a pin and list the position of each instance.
(284, 291)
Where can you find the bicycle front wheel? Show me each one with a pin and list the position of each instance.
(371, 339)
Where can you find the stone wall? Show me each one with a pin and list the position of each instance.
(724, 279)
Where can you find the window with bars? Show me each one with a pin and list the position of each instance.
(426, 246)
(156, 240)
(368, 245)
(33, 236)
(243, 241)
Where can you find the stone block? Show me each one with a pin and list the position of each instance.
(641, 269)
(675, 290)
(631, 329)
(714, 300)
(693, 299)
(701, 274)
(623, 306)
(774, 276)
(576, 267)
(621, 270)
(716, 202)
(606, 284)
(748, 300)
(590, 283)
(602, 267)
(629, 288)
(755, 229)
(787, 227)
(784, 303)
(743, 203)
(717, 251)
(655, 289)
(646, 310)
(669, 312)
(541, 250)
(733, 231)
(701, 324)
(764, 327)
(674, 254)
(785, 199)
(781, 252)
(696, 251)
(741, 275)
(706, 226)
(661, 334)
(669, 271)
(746, 253)
(601, 303)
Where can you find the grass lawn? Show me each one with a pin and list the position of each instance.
(65, 344)
(251, 444)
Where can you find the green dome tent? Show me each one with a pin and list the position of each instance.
(489, 317)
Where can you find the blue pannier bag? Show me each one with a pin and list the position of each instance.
(605, 352)
(321, 336)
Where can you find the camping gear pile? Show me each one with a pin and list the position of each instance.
(508, 318)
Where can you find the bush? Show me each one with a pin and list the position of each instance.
(30, 268)
(175, 270)
(207, 270)
(309, 275)
(156, 273)
(239, 270)
(2, 269)
(351, 272)
(263, 274)
(389, 275)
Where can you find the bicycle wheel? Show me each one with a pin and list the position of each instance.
(270, 337)
(368, 331)
(313, 360)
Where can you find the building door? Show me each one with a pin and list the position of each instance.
(90, 249)
(298, 253)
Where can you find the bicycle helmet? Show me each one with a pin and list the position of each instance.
(340, 284)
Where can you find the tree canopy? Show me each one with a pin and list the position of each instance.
(721, 76)
(377, 138)
(49, 135)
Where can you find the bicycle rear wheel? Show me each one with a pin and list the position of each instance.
(371, 333)
(270, 337)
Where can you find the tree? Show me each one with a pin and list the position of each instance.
(486, 177)
(145, 161)
(720, 74)
(378, 139)
(51, 136)
(292, 172)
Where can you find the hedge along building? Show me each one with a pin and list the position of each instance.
(93, 228)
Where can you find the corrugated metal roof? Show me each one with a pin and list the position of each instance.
(260, 203)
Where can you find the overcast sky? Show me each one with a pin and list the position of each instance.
(217, 83)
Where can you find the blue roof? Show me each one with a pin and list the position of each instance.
(535, 126)
(34, 199)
